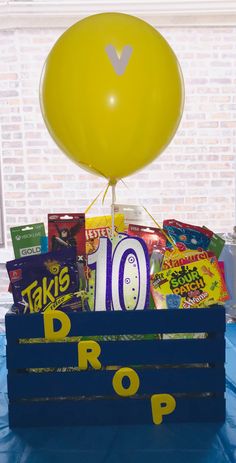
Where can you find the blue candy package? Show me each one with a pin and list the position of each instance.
(46, 282)
(187, 236)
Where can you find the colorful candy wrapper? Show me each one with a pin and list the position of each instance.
(198, 284)
(45, 282)
(187, 236)
(153, 237)
(176, 258)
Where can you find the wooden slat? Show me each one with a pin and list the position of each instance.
(117, 411)
(91, 383)
(120, 322)
(122, 353)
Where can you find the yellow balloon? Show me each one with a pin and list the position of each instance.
(111, 94)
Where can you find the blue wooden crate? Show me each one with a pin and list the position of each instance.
(191, 370)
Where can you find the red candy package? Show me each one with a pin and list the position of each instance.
(66, 231)
(155, 241)
(153, 237)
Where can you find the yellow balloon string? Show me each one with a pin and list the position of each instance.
(105, 192)
(161, 229)
(99, 194)
(154, 220)
(144, 208)
(93, 202)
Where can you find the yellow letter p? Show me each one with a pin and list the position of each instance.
(162, 404)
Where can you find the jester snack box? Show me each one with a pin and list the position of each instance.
(45, 282)
(196, 284)
(98, 227)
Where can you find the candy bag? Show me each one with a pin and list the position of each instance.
(187, 236)
(153, 237)
(198, 284)
(45, 282)
(176, 258)
(155, 241)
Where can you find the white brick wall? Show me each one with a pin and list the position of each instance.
(194, 180)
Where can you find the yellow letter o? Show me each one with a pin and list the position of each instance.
(118, 378)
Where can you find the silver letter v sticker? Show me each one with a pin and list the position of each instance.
(119, 63)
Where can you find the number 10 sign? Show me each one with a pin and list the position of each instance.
(120, 269)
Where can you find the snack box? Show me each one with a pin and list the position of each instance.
(46, 387)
